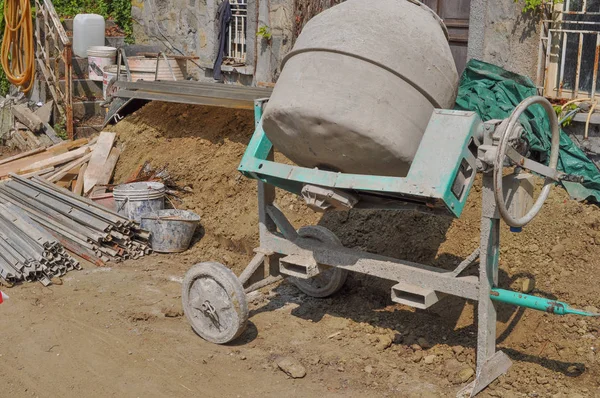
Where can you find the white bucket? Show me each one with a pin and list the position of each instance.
(99, 57)
(137, 198)
(110, 72)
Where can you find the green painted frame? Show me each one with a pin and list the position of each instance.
(449, 143)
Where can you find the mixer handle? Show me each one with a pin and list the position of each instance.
(505, 150)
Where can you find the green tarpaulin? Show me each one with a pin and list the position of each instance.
(494, 92)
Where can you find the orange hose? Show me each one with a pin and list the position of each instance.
(17, 53)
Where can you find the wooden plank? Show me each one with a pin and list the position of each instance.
(28, 118)
(74, 184)
(18, 164)
(68, 145)
(109, 167)
(95, 167)
(66, 169)
(37, 172)
(45, 112)
(22, 155)
(58, 159)
(78, 189)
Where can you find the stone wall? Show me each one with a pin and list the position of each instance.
(500, 33)
(185, 27)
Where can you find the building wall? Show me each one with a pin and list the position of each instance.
(498, 33)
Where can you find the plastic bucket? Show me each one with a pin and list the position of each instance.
(138, 198)
(171, 231)
(99, 57)
(110, 72)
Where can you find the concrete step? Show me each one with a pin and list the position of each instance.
(86, 89)
(84, 110)
(68, 24)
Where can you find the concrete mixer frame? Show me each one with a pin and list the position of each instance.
(283, 251)
(454, 146)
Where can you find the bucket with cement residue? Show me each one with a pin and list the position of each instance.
(170, 230)
(99, 57)
(110, 76)
(138, 198)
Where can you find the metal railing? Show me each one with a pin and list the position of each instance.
(569, 50)
(236, 43)
(54, 55)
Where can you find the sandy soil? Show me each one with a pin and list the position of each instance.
(118, 331)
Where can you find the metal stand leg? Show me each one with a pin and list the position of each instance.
(490, 364)
(263, 269)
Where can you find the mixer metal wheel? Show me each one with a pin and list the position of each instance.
(214, 302)
(328, 281)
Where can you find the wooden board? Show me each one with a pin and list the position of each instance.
(58, 159)
(109, 167)
(78, 188)
(67, 169)
(22, 155)
(68, 145)
(95, 167)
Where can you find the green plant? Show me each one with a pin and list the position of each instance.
(264, 32)
(118, 10)
(536, 5)
(560, 112)
(60, 128)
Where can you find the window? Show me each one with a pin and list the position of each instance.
(570, 56)
(235, 52)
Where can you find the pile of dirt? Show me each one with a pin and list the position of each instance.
(558, 253)
(201, 147)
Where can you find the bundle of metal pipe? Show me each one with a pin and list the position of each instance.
(27, 251)
(82, 226)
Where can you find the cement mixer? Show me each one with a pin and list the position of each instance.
(360, 84)
(426, 161)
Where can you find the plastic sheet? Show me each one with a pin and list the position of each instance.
(494, 92)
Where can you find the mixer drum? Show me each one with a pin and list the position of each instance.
(357, 90)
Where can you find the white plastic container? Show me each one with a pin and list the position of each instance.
(110, 73)
(88, 31)
(99, 57)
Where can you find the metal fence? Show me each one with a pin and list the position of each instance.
(236, 43)
(54, 55)
(569, 50)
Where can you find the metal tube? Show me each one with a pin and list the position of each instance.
(561, 75)
(578, 70)
(39, 197)
(548, 47)
(56, 218)
(535, 303)
(84, 203)
(595, 75)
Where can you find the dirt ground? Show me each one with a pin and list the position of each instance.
(119, 331)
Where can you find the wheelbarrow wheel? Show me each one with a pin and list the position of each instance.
(214, 302)
(329, 281)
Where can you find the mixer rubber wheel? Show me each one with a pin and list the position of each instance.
(329, 281)
(214, 302)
